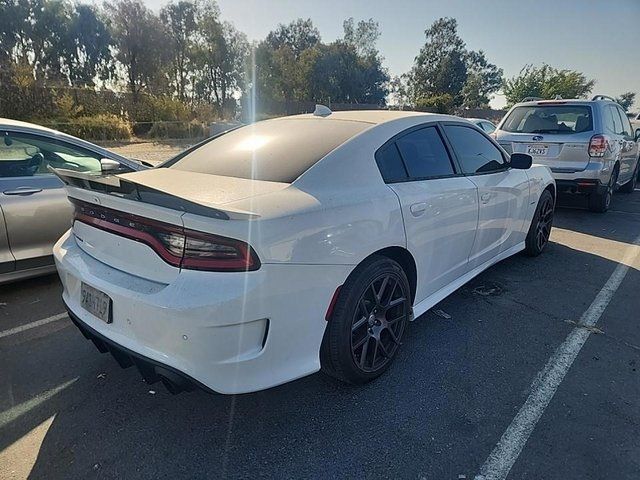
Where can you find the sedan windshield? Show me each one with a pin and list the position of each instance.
(549, 119)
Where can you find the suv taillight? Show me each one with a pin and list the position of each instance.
(598, 145)
(177, 246)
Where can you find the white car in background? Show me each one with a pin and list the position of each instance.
(485, 125)
(293, 244)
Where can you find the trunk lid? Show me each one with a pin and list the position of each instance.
(109, 206)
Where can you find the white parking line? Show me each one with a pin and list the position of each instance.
(29, 326)
(506, 452)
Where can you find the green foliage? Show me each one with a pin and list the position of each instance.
(96, 127)
(292, 64)
(626, 100)
(437, 104)
(546, 82)
(193, 129)
(445, 66)
(141, 42)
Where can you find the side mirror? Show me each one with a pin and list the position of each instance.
(107, 165)
(521, 161)
(638, 135)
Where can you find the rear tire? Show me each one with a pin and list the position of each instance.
(540, 228)
(367, 322)
(599, 202)
(630, 186)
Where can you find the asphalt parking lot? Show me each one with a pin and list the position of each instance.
(463, 375)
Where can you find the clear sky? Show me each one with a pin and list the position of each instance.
(598, 37)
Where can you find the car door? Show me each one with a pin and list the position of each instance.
(7, 262)
(503, 192)
(33, 200)
(439, 205)
(628, 147)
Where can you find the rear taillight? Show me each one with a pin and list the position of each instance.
(177, 246)
(598, 145)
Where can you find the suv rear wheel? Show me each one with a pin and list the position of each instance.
(630, 186)
(599, 202)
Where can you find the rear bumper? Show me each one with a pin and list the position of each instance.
(227, 332)
(585, 186)
(152, 371)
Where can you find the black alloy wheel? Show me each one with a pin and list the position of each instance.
(378, 325)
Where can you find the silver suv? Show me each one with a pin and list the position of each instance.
(588, 144)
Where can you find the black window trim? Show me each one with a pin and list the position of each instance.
(505, 156)
(457, 171)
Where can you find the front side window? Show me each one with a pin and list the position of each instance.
(566, 119)
(424, 154)
(23, 155)
(475, 152)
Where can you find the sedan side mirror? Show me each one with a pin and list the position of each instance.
(638, 135)
(107, 165)
(521, 161)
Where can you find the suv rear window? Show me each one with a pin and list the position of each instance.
(275, 150)
(549, 119)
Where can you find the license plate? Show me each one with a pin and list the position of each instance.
(96, 302)
(537, 150)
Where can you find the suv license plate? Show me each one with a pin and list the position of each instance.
(537, 150)
(96, 302)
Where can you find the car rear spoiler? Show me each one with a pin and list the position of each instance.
(114, 184)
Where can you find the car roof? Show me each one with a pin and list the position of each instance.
(371, 116)
(7, 122)
(562, 101)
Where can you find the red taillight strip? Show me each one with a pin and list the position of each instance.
(99, 217)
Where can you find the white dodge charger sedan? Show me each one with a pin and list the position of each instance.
(292, 245)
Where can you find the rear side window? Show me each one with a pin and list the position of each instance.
(564, 119)
(275, 150)
(626, 124)
(424, 154)
(614, 125)
(390, 164)
(474, 151)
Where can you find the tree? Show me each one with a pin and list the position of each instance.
(444, 66)
(546, 82)
(179, 19)
(298, 36)
(89, 52)
(363, 36)
(141, 41)
(221, 58)
(483, 78)
(626, 100)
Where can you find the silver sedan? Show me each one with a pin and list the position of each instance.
(34, 210)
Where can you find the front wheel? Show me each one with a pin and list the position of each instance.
(367, 322)
(540, 229)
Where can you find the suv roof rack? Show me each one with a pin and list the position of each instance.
(531, 99)
(602, 97)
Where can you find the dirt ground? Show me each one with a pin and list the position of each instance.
(153, 152)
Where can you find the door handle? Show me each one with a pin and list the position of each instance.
(22, 191)
(418, 209)
(485, 197)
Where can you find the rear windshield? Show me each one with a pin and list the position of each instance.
(549, 119)
(275, 150)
